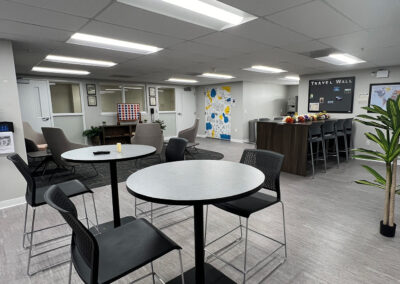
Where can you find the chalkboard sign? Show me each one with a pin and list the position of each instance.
(331, 95)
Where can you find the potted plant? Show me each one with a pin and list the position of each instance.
(162, 124)
(387, 128)
(94, 134)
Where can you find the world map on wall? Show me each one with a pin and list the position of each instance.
(218, 112)
(380, 94)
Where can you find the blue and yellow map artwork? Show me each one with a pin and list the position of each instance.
(218, 112)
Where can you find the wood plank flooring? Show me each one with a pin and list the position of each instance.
(332, 231)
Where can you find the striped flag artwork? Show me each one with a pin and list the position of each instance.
(128, 112)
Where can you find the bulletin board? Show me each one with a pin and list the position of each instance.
(334, 95)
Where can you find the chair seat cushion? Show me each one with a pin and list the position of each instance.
(340, 133)
(70, 188)
(246, 206)
(130, 247)
(315, 139)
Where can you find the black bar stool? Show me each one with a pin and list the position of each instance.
(315, 136)
(340, 132)
(329, 133)
(348, 129)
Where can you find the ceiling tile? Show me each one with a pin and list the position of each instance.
(264, 7)
(370, 13)
(267, 32)
(229, 41)
(83, 8)
(41, 33)
(359, 41)
(129, 16)
(315, 19)
(197, 49)
(37, 16)
(302, 47)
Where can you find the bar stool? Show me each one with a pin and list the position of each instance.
(340, 132)
(315, 136)
(329, 133)
(348, 130)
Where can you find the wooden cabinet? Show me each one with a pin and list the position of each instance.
(113, 134)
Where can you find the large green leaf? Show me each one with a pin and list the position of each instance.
(372, 123)
(394, 143)
(365, 182)
(378, 177)
(373, 153)
(394, 155)
(368, 157)
(376, 139)
(392, 113)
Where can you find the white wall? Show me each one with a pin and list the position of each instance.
(363, 80)
(13, 185)
(252, 100)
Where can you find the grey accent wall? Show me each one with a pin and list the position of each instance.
(363, 79)
(12, 183)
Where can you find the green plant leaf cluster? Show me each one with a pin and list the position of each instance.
(92, 132)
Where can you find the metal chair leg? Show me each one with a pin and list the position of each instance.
(31, 242)
(25, 221)
(95, 210)
(181, 263)
(151, 212)
(84, 206)
(245, 251)
(312, 159)
(241, 229)
(284, 227)
(152, 272)
(324, 152)
(346, 147)
(70, 272)
(337, 151)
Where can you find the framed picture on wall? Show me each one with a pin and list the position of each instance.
(380, 93)
(153, 101)
(152, 91)
(91, 89)
(92, 100)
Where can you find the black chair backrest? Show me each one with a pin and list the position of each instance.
(26, 173)
(84, 247)
(348, 124)
(175, 150)
(328, 127)
(314, 130)
(30, 146)
(270, 163)
(340, 124)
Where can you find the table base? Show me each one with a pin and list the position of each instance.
(110, 225)
(212, 275)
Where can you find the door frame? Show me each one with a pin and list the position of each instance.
(168, 111)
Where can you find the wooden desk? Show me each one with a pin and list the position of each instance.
(287, 139)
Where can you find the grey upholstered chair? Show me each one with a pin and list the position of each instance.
(190, 133)
(149, 134)
(32, 135)
(58, 143)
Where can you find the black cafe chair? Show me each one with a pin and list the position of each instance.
(329, 132)
(340, 133)
(34, 197)
(270, 164)
(175, 151)
(315, 136)
(107, 257)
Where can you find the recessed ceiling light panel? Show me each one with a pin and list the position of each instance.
(340, 59)
(265, 69)
(292, 78)
(212, 14)
(181, 80)
(79, 61)
(113, 44)
(216, 76)
(59, 71)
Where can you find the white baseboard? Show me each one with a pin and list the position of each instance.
(12, 202)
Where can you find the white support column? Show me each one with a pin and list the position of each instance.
(12, 184)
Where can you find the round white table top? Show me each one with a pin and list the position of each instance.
(195, 182)
(129, 151)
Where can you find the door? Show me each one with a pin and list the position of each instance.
(35, 104)
(186, 109)
(167, 110)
